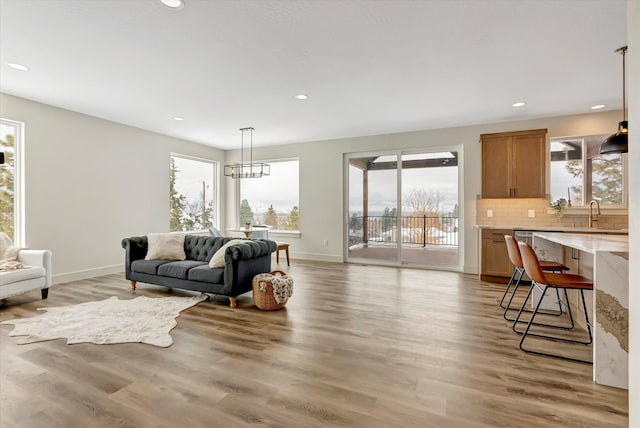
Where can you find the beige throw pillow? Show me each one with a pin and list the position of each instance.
(11, 253)
(217, 261)
(165, 246)
(8, 251)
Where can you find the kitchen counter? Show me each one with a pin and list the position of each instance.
(558, 229)
(610, 297)
(591, 243)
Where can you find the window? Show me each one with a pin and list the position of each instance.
(193, 194)
(272, 200)
(579, 173)
(10, 180)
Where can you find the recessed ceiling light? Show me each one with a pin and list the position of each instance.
(598, 106)
(178, 118)
(17, 66)
(173, 4)
(518, 104)
(302, 96)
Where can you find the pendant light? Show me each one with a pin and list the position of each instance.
(247, 170)
(619, 142)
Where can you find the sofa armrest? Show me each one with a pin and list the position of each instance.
(243, 261)
(41, 258)
(250, 249)
(135, 249)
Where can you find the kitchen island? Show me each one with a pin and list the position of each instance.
(610, 298)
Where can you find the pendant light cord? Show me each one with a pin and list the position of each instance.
(623, 51)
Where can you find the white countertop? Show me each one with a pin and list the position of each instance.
(557, 229)
(591, 243)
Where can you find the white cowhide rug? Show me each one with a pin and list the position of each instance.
(143, 319)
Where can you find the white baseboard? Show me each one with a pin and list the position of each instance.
(61, 278)
(313, 257)
(472, 269)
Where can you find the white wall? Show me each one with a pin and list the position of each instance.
(321, 175)
(90, 182)
(633, 81)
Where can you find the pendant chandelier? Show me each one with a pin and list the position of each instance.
(247, 170)
(619, 142)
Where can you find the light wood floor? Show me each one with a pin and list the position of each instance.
(356, 346)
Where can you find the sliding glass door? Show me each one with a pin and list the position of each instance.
(373, 204)
(403, 209)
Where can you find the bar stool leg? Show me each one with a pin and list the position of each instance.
(517, 319)
(526, 333)
(516, 270)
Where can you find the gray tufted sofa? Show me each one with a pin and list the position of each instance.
(242, 262)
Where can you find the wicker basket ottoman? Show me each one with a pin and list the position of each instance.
(272, 290)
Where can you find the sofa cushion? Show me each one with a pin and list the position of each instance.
(168, 246)
(147, 266)
(178, 269)
(206, 274)
(11, 276)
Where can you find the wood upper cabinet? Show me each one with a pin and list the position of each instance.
(514, 164)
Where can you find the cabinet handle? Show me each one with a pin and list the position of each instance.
(514, 192)
(498, 240)
(574, 254)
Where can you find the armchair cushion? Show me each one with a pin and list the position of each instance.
(7, 277)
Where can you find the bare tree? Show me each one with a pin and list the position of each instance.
(422, 202)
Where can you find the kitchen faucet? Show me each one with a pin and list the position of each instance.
(591, 219)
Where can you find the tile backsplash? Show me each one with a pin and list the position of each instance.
(515, 212)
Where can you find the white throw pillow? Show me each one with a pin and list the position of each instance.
(165, 246)
(217, 261)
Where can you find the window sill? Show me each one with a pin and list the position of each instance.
(285, 233)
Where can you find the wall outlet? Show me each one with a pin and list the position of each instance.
(532, 213)
(489, 213)
(326, 242)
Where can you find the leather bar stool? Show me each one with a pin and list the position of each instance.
(518, 273)
(545, 281)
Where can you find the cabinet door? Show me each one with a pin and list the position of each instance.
(528, 169)
(514, 164)
(496, 167)
(495, 258)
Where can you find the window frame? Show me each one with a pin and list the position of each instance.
(18, 182)
(587, 176)
(238, 192)
(216, 188)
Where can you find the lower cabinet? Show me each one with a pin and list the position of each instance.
(496, 266)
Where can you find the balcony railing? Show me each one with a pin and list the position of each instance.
(422, 230)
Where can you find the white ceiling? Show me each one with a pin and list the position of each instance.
(369, 67)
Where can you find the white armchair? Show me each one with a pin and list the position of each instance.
(36, 277)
